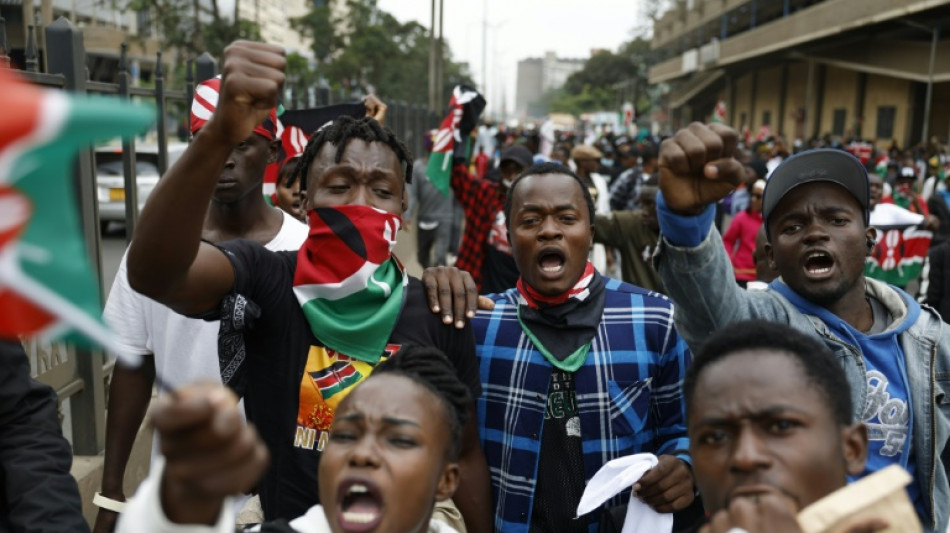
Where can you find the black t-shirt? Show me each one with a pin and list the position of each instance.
(294, 384)
(560, 482)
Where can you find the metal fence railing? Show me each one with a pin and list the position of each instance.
(80, 376)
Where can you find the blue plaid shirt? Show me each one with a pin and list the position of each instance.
(629, 394)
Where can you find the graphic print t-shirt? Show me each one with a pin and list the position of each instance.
(561, 464)
(295, 383)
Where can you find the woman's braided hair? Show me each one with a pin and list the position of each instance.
(430, 368)
(339, 133)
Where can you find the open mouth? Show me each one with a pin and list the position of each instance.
(818, 263)
(551, 261)
(361, 508)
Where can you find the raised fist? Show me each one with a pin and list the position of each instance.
(252, 78)
(698, 167)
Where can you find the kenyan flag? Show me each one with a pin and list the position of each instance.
(451, 140)
(349, 285)
(47, 287)
(898, 257)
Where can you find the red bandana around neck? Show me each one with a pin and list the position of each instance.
(349, 285)
(579, 291)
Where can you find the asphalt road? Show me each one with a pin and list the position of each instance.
(114, 244)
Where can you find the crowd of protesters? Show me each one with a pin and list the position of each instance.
(703, 333)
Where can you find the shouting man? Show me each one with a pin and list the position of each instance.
(895, 353)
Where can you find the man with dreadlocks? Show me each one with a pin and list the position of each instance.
(314, 323)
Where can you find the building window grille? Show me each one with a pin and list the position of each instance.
(885, 122)
(838, 121)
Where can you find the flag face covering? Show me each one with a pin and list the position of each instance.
(47, 286)
(348, 283)
(464, 109)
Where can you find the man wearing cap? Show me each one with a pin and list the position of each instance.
(895, 353)
(485, 252)
(186, 349)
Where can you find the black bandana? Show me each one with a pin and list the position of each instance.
(563, 332)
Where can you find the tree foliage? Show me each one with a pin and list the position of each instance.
(368, 49)
(606, 77)
(190, 27)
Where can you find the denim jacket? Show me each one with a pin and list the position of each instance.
(699, 280)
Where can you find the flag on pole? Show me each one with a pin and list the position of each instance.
(47, 287)
(898, 256)
(719, 113)
(450, 141)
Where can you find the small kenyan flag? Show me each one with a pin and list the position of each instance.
(451, 140)
(47, 287)
(898, 257)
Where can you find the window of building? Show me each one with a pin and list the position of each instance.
(766, 118)
(143, 21)
(885, 122)
(837, 121)
(742, 121)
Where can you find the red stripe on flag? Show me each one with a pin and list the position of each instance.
(18, 316)
(21, 119)
(319, 270)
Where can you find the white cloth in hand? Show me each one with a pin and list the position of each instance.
(613, 478)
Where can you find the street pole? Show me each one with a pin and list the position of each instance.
(432, 67)
(440, 62)
(930, 85)
(485, 49)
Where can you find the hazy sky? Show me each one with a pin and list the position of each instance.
(518, 29)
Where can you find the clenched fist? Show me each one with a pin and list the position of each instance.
(252, 78)
(698, 167)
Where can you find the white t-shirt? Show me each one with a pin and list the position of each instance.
(185, 349)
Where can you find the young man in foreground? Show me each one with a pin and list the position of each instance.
(895, 353)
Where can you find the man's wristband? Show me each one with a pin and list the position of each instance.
(108, 503)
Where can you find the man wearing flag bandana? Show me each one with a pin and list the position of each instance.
(578, 369)
(317, 322)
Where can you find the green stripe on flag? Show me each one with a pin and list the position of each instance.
(359, 325)
(51, 250)
(439, 171)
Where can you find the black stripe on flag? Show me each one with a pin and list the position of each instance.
(344, 228)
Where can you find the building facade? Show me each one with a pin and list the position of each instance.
(875, 69)
(272, 17)
(538, 75)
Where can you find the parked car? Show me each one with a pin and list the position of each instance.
(110, 182)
